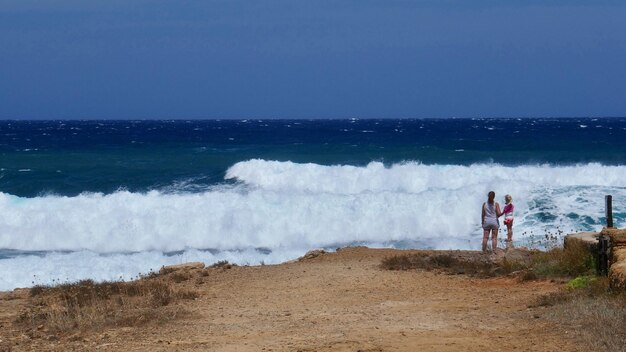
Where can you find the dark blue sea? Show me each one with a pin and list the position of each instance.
(111, 199)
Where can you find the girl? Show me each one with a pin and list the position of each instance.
(508, 218)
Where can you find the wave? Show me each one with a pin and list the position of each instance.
(288, 205)
(286, 208)
(415, 177)
(228, 219)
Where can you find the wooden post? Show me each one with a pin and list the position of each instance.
(604, 242)
(602, 268)
(609, 210)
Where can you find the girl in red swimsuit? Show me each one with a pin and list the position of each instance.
(508, 218)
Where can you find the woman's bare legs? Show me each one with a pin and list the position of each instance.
(509, 235)
(494, 239)
(485, 239)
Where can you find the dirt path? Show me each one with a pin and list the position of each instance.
(334, 302)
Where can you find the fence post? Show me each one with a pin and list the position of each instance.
(604, 242)
(604, 250)
(609, 210)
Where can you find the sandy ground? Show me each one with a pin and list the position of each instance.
(334, 302)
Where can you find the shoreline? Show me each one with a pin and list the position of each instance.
(156, 268)
(307, 255)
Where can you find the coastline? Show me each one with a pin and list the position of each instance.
(341, 301)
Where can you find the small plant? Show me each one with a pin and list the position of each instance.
(224, 264)
(580, 282)
(179, 277)
(160, 294)
(551, 238)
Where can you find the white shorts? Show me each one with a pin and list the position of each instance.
(490, 225)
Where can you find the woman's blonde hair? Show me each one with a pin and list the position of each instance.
(508, 198)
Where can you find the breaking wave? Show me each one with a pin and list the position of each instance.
(276, 211)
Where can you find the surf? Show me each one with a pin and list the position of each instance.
(272, 211)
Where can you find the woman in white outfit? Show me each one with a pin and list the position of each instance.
(490, 214)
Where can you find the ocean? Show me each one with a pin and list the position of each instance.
(109, 200)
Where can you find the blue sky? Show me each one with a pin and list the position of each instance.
(118, 59)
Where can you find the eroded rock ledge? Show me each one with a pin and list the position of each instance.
(617, 269)
(617, 265)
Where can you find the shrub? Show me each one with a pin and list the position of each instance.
(224, 264)
(179, 277)
(580, 282)
(86, 305)
(404, 262)
(444, 261)
(575, 260)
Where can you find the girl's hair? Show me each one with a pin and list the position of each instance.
(491, 196)
(508, 198)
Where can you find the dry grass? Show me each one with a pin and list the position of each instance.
(593, 313)
(574, 260)
(444, 261)
(224, 264)
(179, 277)
(86, 305)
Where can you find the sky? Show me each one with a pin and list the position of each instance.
(136, 59)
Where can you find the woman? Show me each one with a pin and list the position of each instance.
(508, 218)
(490, 214)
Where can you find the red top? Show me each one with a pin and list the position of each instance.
(508, 209)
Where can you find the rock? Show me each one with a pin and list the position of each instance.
(618, 236)
(518, 256)
(493, 256)
(312, 254)
(496, 271)
(617, 270)
(617, 275)
(588, 238)
(523, 275)
(619, 254)
(185, 266)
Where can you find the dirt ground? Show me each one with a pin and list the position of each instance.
(333, 302)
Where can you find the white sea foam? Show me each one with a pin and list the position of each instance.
(414, 177)
(54, 267)
(286, 209)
